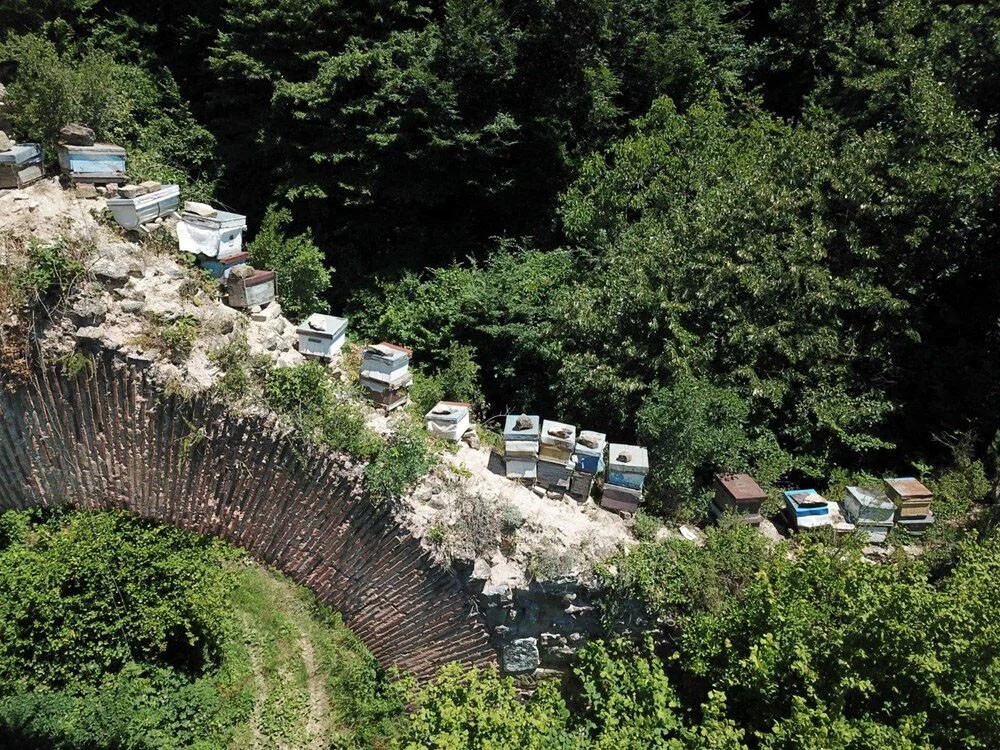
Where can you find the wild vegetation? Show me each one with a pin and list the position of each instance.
(750, 234)
(159, 638)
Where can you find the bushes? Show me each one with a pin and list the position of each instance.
(124, 104)
(456, 380)
(173, 338)
(305, 395)
(664, 581)
(401, 461)
(67, 589)
(303, 277)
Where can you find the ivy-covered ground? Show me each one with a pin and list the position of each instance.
(115, 632)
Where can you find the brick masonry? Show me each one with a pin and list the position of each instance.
(112, 440)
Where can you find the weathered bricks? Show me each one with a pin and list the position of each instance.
(112, 440)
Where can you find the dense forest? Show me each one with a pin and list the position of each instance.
(771, 223)
(749, 234)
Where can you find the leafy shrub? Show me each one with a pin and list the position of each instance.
(645, 526)
(958, 487)
(241, 370)
(476, 709)
(404, 458)
(672, 578)
(456, 380)
(172, 338)
(108, 570)
(305, 395)
(872, 649)
(48, 271)
(124, 104)
(303, 277)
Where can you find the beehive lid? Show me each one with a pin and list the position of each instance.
(388, 353)
(97, 148)
(558, 433)
(328, 326)
(446, 411)
(521, 427)
(258, 277)
(909, 488)
(630, 459)
(223, 220)
(870, 498)
(167, 191)
(807, 498)
(20, 153)
(741, 487)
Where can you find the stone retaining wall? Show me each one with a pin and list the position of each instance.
(112, 440)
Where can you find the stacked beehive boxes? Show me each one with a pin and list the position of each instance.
(628, 466)
(385, 374)
(20, 164)
(739, 494)
(913, 504)
(448, 420)
(248, 287)
(807, 509)
(322, 336)
(521, 435)
(215, 237)
(870, 510)
(555, 455)
(589, 457)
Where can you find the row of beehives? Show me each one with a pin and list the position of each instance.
(81, 159)
(554, 456)
(902, 501)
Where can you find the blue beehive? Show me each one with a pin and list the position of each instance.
(627, 465)
(589, 451)
(102, 162)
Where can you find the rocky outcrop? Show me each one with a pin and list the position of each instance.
(112, 440)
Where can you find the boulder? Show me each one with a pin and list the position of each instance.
(521, 656)
(75, 134)
(6, 144)
(89, 334)
(88, 311)
(132, 306)
(86, 191)
(150, 186)
(267, 314)
(111, 271)
(471, 438)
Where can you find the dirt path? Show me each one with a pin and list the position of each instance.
(319, 702)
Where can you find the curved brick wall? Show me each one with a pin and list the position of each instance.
(112, 440)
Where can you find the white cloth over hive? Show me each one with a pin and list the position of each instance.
(197, 240)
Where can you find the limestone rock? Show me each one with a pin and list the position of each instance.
(111, 271)
(89, 334)
(471, 438)
(521, 656)
(88, 312)
(75, 134)
(6, 144)
(132, 306)
(199, 209)
(242, 272)
(150, 186)
(481, 570)
(86, 191)
(268, 313)
(130, 191)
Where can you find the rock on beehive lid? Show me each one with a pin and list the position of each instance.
(75, 134)
(6, 144)
(199, 209)
(588, 441)
(523, 422)
(245, 271)
(628, 459)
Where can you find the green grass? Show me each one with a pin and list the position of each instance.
(307, 681)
